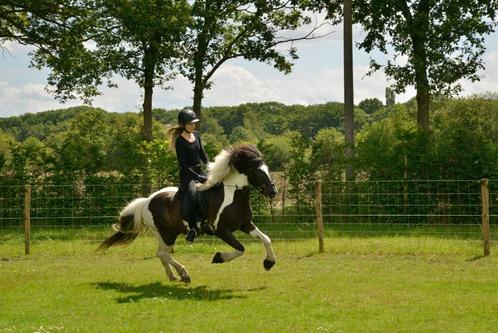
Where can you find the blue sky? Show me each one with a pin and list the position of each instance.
(317, 77)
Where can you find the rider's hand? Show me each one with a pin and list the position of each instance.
(203, 179)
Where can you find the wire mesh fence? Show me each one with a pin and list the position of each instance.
(437, 208)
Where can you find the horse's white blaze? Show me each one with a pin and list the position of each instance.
(264, 167)
(256, 233)
(233, 182)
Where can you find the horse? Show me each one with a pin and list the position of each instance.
(226, 198)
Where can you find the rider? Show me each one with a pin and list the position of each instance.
(190, 153)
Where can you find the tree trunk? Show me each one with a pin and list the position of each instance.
(147, 106)
(198, 93)
(147, 130)
(199, 83)
(421, 83)
(423, 104)
(419, 26)
(348, 89)
(147, 133)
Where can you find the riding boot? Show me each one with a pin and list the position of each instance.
(192, 233)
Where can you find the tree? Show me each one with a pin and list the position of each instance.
(224, 30)
(139, 40)
(441, 38)
(348, 89)
(82, 149)
(370, 105)
(390, 97)
(32, 21)
(328, 153)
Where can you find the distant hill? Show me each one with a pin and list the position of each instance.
(270, 118)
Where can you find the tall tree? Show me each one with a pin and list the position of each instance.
(29, 21)
(348, 89)
(224, 30)
(390, 97)
(139, 40)
(441, 39)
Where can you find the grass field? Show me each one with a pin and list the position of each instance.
(380, 283)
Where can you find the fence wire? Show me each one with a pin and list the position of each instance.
(442, 208)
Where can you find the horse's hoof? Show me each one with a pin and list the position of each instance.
(217, 259)
(268, 264)
(186, 279)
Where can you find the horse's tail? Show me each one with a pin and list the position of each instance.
(131, 223)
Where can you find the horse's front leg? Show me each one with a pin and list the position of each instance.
(269, 261)
(229, 238)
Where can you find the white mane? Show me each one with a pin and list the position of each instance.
(217, 170)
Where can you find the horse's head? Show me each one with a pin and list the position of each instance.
(247, 160)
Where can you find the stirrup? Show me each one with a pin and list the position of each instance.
(206, 228)
(191, 236)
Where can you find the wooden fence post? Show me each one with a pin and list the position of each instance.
(485, 216)
(319, 217)
(27, 218)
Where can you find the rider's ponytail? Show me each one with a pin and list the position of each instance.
(173, 133)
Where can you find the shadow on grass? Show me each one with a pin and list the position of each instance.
(172, 292)
(475, 258)
(309, 255)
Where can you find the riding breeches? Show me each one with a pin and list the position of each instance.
(189, 203)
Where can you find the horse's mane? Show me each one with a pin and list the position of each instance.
(239, 157)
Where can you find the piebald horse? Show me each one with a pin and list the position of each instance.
(226, 194)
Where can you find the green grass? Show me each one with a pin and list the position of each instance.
(379, 283)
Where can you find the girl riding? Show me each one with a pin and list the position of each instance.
(187, 144)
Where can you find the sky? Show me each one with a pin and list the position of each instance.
(317, 77)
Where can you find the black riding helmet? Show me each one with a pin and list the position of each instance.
(186, 116)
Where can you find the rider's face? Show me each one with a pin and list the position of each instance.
(190, 127)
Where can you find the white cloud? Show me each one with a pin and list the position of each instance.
(317, 78)
(234, 85)
(13, 48)
(27, 98)
(489, 79)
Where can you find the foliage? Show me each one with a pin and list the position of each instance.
(35, 22)
(139, 42)
(328, 153)
(465, 133)
(442, 40)
(161, 163)
(301, 173)
(223, 30)
(276, 151)
(370, 105)
(83, 141)
(383, 145)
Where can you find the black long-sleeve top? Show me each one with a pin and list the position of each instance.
(190, 155)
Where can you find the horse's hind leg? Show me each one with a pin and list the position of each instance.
(164, 253)
(229, 238)
(269, 261)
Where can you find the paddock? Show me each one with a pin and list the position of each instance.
(377, 272)
(360, 284)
